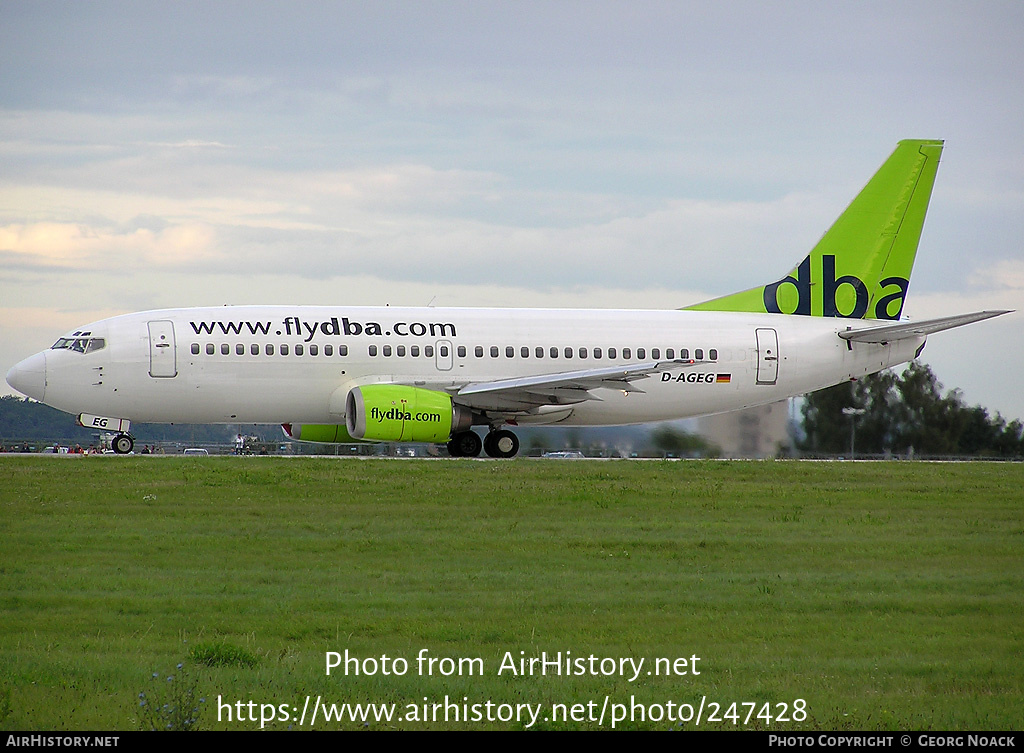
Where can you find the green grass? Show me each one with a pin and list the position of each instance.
(886, 595)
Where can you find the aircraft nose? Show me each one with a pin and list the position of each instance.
(29, 376)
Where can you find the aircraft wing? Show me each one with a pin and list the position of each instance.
(890, 332)
(561, 388)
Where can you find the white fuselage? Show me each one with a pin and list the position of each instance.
(281, 364)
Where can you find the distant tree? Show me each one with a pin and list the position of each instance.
(825, 427)
(22, 419)
(672, 441)
(980, 435)
(928, 422)
(903, 413)
(538, 440)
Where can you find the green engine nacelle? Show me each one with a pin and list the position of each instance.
(329, 433)
(394, 413)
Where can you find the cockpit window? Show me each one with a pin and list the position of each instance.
(80, 344)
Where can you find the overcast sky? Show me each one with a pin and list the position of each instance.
(584, 154)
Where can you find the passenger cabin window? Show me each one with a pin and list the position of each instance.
(239, 349)
(400, 351)
(314, 350)
(597, 352)
(342, 350)
(210, 350)
(195, 349)
(414, 351)
(539, 352)
(269, 349)
(225, 349)
(510, 352)
(284, 349)
(479, 351)
(462, 351)
(641, 353)
(626, 352)
(494, 351)
(328, 350)
(611, 353)
(298, 349)
(713, 354)
(699, 354)
(554, 352)
(372, 350)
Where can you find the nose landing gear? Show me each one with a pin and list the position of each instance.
(123, 444)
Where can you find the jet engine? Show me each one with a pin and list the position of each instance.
(396, 413)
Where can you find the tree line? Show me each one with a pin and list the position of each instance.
(905, 414)
(23, 420)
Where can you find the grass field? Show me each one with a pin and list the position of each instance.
(884, 595)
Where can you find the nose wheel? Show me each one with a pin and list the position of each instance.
(123, 444)
(501, 444)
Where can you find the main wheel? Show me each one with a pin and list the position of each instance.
(501, 444)
(123, 444)
(465, 444)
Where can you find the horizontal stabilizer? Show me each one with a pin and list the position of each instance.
(892, 332)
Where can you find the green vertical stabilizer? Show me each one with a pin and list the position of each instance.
(861, 266)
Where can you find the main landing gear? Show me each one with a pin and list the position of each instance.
(497, 444)
(465, 444)
(501, 444)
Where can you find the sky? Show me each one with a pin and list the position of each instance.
(557, 154)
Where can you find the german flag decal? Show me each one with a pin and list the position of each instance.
(723, 379)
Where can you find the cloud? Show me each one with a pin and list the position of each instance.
(74, 246)
(217, 87)
(193, 144)
(406, 221)
(1007, 275)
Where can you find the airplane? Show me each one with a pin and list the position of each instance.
(346, 373)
